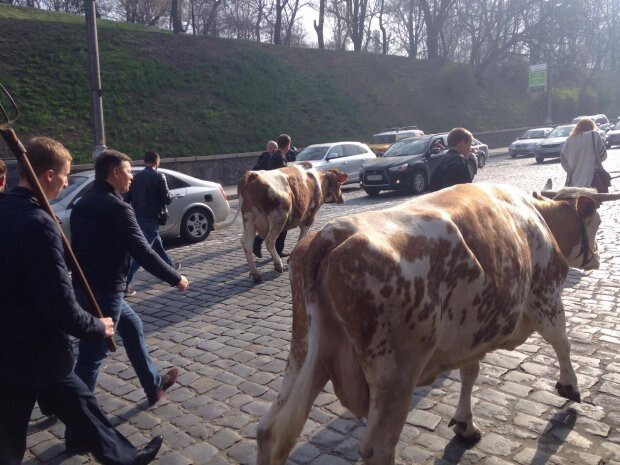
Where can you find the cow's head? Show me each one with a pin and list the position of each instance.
(574, 221)
(330, 185)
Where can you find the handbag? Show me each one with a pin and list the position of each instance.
(162, 216)
(601, 179)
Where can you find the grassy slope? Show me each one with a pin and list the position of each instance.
(183, 95)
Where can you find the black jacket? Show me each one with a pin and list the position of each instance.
(37, 304)
(277, 160)
(104, 233)
(451, 170)
(149, 193)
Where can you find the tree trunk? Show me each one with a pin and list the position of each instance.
(383, 30)
(319, 28)
(175, 17)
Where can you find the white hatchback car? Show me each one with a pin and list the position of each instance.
(348, 157)
(197, 207)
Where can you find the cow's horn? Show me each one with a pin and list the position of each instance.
(603, 197)
(548, 194)
(548, 185)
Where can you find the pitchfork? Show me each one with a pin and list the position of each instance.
(7, 117)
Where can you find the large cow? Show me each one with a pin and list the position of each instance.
(286, 198)
(387, 301)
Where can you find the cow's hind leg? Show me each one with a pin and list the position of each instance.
(463, 420)
(554, 332)
(247, 241)
(278, 430)
(276, 225)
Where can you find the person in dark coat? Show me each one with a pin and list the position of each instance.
(453, 167)
(149, 195)
(277, 160)
(263, 160)
(104, 233)
(39, 311)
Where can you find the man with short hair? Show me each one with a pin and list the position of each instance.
(2, 175)
(278, 160)
(453, 167)
(39, 311)
(149, 195)
(104, 233)
(263, 160)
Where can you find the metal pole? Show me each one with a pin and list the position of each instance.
(95, 79)
(548, 120)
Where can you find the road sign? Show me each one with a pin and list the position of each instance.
(537, 78)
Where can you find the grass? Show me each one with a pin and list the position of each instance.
(188, 96)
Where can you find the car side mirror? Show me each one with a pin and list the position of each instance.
(435, 150)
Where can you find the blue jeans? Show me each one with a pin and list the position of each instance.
(150, 229)
(129, 328)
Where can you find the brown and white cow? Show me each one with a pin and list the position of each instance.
(385, 301)
(286, 198)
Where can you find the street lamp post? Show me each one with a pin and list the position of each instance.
(95, 79)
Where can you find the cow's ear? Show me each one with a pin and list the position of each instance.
(537, 196)
(585, 206)
(340, 176)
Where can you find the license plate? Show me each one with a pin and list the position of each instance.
(374, 177)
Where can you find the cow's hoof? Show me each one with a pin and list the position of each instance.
(278, 267)
(568, 392)
(472, 434)
(256, 277)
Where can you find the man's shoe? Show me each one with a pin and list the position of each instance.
(149, 452)
(168, 380)
(129, 292)
(75, 447)
(256, 249)
(283, 254)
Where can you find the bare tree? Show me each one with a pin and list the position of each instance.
(319, 27)
(435, 14)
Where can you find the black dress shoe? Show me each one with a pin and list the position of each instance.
(283, 254)
(149, 452)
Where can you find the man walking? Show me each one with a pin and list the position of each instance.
(104, 234)
(453, 167)
(39, 310)
(277, 160)
(149, 195)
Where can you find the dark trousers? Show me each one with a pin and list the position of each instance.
(258, 242)
(73, 403)
(150, 229)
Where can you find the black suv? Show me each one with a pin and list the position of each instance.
(408, 165)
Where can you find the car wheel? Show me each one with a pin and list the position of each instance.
(539, 159)
(372, 191)
(513, 155)
(418, 182)
(482, 159)
(196, 225)
(471, 168)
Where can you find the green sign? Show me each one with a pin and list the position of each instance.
(537, 79)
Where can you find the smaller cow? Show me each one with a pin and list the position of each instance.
(286, 198)
(385, 301)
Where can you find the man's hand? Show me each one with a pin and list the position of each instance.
(109, 326)
(183, 284)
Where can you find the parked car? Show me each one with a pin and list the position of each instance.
(600, 120)
(345, 156)
(197, 206)
(528, 142)
(551, 145)
(381, 141)
(481, 151)
(408, 165)
(613, 136)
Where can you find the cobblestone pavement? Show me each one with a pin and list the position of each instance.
(230, 337)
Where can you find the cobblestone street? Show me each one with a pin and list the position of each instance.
(229, 338)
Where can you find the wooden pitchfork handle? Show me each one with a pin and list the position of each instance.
(20, 153)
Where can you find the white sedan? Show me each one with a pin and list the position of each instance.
(197, 207)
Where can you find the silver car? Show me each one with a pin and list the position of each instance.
(197, 207)
(345, 156)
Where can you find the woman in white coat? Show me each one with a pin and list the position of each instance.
(582, 152)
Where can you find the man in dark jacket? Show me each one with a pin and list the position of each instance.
(453, 167)
(277, 160)
(149, 195)
(264, 159)
(38, 312)
(104, 233)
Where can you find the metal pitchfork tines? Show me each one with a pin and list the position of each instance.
(9, 112)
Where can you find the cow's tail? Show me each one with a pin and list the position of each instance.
(247, 177)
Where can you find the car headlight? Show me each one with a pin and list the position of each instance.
(399, 168)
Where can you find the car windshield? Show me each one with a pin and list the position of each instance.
(407, 147)
(313, 153)
(74, 183)
(561, 132)
(383, 139)
(533, 134)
